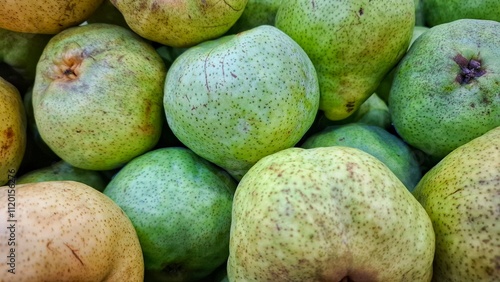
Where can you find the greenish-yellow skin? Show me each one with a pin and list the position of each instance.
(378, 142)
(13, 124)
(327, 214)
(460, 194)
(239, 98)
(436, 12)
(352, 44)
(180, 206)
(97, 97)
(434, 107)
(180, 23)
(256, 12)
(60, 171)
(384, 88)
(22, 50)
(45, 17)
(373, 111)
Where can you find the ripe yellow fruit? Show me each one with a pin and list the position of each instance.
(12, 130)
(45, 17)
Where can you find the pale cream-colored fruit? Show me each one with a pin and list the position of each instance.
(12, 130)
(45, 17)
(66, 231)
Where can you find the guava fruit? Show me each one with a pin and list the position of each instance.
(445, 89)
(352, 45)
(327, 214)
(378, 142)
(460, 194)
(66, 231)
(180, 206)
(12, 131)
(180, 23)
(45, 17)
(97, 97)
(241, 97)
(437, 12)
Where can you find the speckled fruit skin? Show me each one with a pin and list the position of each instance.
(13, 124)
(239, 98)
(97, 97)
(430, 109)
(45, 17)
(352, 43)
(256, 12)
(437, 12)
(460, 194)
(378, 142)
(67, 231)
(180, 23)
(327, 214)
(61, 171)
(180, 205)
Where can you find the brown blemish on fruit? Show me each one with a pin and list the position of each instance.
(9, 139)
(350, 106)
(74, 254)
(469, 69)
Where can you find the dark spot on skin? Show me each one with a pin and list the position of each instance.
(155, 6)
(9, 139)
(469, 69)
(172, 268)
(233, 75)
(361, 11)
(69, 72)
(472, 105)
(350, 106)
(78, 131)
(342, 139)
(75, 254)
(48, 245)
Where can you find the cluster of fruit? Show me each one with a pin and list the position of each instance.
(250, 140)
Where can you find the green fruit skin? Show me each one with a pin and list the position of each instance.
(460, 194)
(378, 142)
(112, 112)
(352, 45)
(256, 13)
(384, 88)
(180, 206)
(64, 171)
(327, 214)
(430, 110)
(22, 51)
(436, 12)
(239, 98)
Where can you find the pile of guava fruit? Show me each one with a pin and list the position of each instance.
(250, 140)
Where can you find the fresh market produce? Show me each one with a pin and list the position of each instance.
(180, 205)
(60, 171)
(249, 140)
(12, 130)
(460, 194)
(239, 98)
(446, 88)
(436, 12)
(45, 17)
(376, 141)
(66, 231)
(180, 23)
(97, 97)
(352, 45)
(327, 214)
